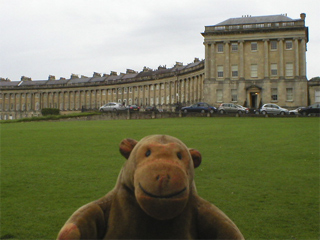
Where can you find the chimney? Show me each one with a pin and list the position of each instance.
(130, 71)
(24, 78)
(303, 16)
(73, 76)
(178, 64)
(162, 67)
(112, 73)
(95, 74)
(196, 60)
(146, 69)
(51, 77)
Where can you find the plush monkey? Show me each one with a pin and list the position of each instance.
(154, 198)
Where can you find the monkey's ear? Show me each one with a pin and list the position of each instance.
(196, 157)
(126, 146)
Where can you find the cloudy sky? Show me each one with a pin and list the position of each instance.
(63, 37)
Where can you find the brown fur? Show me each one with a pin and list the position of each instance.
(154, 198)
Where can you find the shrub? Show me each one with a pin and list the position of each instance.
(50, 111)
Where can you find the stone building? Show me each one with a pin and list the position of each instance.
(164, 87)
(255, 60)
(248, 61)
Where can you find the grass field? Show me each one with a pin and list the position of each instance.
(262, 172)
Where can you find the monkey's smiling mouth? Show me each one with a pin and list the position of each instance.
(164, 196)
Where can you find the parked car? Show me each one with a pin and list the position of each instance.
(199, 107)
(230, 108)
(133, 108)
(271, 108)
(294, 111)
(245, 109)
(112, 106)
(151, 109)
(312, 109)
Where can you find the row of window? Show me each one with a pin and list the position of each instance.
(274, 95)
(254, 70)
(257, 25)
(254, 46)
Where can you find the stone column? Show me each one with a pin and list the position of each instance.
(207, 60)
(303, 72)
(266, 58)
(154, 94)
(241, 63)
(296, 55)
(281, 71)
(212, 61)
(227, 60)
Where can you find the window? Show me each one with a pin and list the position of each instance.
(234, 71)
(119, 90)
(151, 87)
(219, 95)
(273, 45)
(289, 69)
(274, 94)
(289, 92)
(220, 71)
(274, 69)
(288, 45)
(254, 46)
(130, 89)
(220, 47)
(125, 90)
(254, 70)
(247, 26)
(234, 95)
(317, 96)
(234, 47)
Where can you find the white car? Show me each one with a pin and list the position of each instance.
(112, 106)
(244, 109)
(271, 108)
(295, 111)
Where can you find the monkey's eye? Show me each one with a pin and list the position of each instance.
(148, 153)
(179, 155)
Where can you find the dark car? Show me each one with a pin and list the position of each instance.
(133, 108)
(151, 109)
(199, 107)
(312, 109)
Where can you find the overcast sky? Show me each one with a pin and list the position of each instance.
(60, 37)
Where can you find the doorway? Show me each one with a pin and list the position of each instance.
(254, 100)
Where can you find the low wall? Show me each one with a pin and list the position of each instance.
(158, 115)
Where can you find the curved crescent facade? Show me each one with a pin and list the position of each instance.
(248, 61)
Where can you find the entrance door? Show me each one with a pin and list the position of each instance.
(253, 100)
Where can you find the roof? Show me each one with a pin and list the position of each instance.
(258, 19)
(122, 78)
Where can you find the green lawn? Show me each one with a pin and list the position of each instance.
(262, 172)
